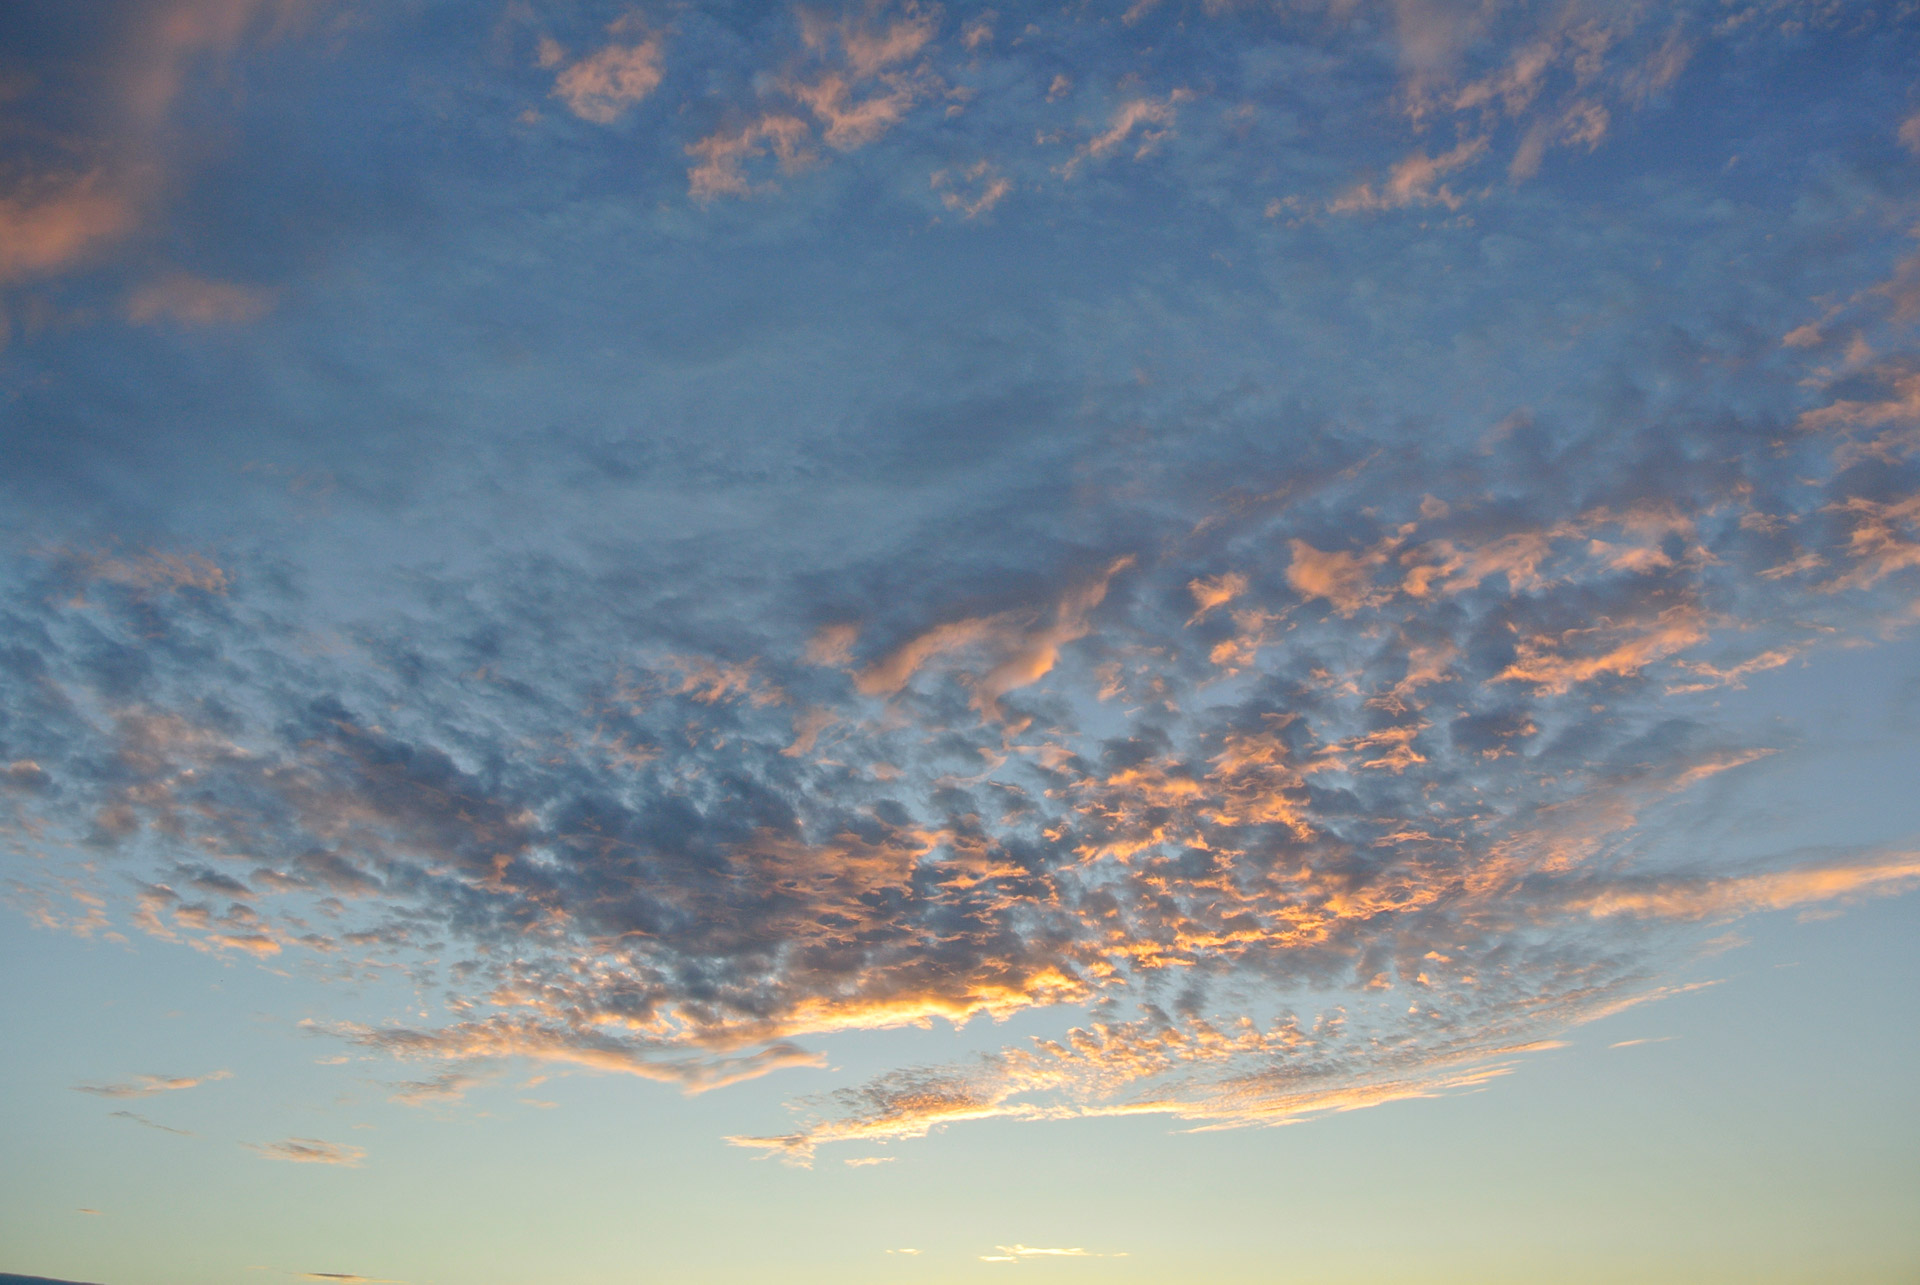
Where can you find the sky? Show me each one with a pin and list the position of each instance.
(1235, 641)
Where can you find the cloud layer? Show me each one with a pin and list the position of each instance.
(882, 515)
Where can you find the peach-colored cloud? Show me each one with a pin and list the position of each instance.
(852, 122)
(1024, 652)
(1215, 591)
(863, 90)
(1847, 413)
(1413, 180)
(868, 44)
(1885, 539)
(146, 1086)
(724, 154)
(713, 682)
(1715, 766)
(832, 644)
(604, 84)
(1517, 556)
(196, 301)
(1706, 676)
(807, 729)
(1540, 661)
(972, 191)
(163, 54)
(1343, 579)
(1744, 894)
(54, 219)
(1140, 123)
(859, 87)
(153, 569)
(53, 222)
(1909, 133)
(1582, 122)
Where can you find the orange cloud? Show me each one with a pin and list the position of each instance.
(1744, 894)
(1214, 592)
(1539, 662)
(146, 1086)
(1025, 653)
(1343, 579)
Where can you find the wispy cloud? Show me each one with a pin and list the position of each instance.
(196, 301)
(137, 1118)
(310, 1151)
(146, 1086)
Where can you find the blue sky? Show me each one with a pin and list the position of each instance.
(838, 623)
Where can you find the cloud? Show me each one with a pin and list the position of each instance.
(52, 222)
(1019, 651)
(972, 191)
(448, 1086)
(852, 123)
(1413, 180)
(1622, 651)
(56, 217)
(137, 1118)
(146, 1086)
(195, 301)
(1343, 579)
(853, 77)
(603, 85)
(588, 1049)
(1781, 890)
(868, 43)
(1272, 656)
(724, 155)
(1138, 123)
(310, 1151)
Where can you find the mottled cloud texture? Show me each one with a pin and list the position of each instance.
(1243, 553)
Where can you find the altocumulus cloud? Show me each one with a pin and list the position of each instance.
(1292, 738)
